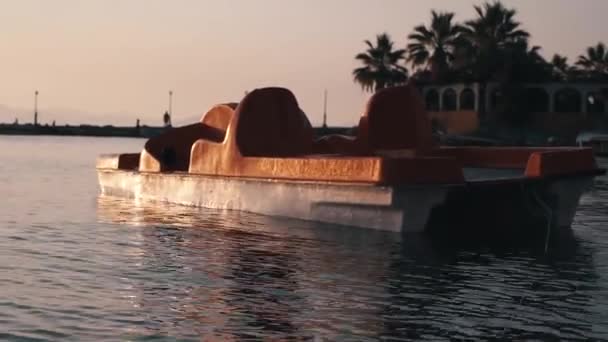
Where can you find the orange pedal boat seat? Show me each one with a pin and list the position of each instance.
(271, 124)
(219, 116)
(170, 151)
(394, 119)
(270, 137)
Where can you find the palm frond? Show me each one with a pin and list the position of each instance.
(380, 64)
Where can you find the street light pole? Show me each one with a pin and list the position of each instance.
(170, 102)
(325, 109)
(36, 108)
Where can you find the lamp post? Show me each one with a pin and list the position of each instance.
(325, 109)
(36, 108)
(170, 101)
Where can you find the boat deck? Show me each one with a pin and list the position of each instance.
(491, 175)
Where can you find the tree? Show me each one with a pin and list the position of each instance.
(432, 48)
(523, 63)
(595, 62)
(489, 35)
(381, 66)
(561, 69)
(494, 40)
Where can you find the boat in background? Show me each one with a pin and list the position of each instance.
(597, 141)
(260, 156)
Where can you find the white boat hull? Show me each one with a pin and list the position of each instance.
(397, 209)
(383, 208)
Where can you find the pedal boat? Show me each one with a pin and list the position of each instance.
(260, 156)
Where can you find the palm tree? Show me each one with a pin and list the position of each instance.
(596, 60)
(380, 65)
(433, 47)
(560, 66)
(490, 34)
(524, 63)
(560, 63)
(489, 37)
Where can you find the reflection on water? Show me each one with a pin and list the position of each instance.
(76, 266)
(252, 276)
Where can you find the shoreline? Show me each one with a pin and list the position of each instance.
(114, 131)
(147, 132)
(81, 130)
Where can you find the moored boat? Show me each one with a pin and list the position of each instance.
(597, 141)
(260, 156)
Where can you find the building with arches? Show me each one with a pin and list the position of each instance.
(573, 106)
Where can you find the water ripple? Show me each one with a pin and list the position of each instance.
(77, 267)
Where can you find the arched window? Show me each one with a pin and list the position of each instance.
(595, 103)
(568, 100)
(432, 100)
(449, 100)
(537, 100)
(467, 99)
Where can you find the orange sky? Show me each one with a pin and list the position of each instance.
(115, 60)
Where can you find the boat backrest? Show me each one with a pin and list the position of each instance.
(170, 151)
(396, 118)
(363, 131)
(269, 123)
(219, 116)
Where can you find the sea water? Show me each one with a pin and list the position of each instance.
(78, 266)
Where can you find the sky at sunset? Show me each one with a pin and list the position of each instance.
(112, 61)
